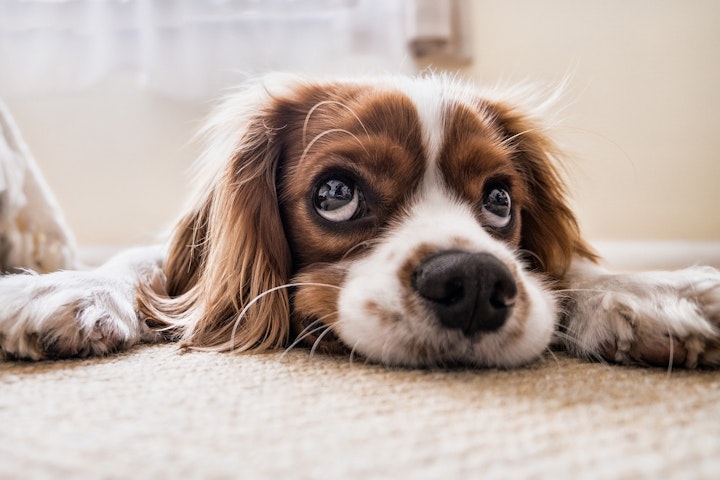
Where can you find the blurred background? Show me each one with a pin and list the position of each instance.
(108, 93)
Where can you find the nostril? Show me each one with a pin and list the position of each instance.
(503, 294)
(467, 291)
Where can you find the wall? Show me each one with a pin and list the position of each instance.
(643, 107)
(116, 156)
(640, 124)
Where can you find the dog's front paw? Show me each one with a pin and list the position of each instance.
(66, 314)
(657, 318)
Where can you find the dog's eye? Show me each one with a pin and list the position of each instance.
(497, 207)
(338, 200)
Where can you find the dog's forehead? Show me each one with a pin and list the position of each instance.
(462, 140)
(416, 113)
(403, 135)
(433, 104)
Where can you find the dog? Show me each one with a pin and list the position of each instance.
(410, 221)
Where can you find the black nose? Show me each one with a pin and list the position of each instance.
(468, 291)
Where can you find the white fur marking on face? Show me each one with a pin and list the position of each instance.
(429, 102)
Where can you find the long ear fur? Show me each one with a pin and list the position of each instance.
(550, 230)
(230, 249)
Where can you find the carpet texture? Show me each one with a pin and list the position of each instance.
(156, 413)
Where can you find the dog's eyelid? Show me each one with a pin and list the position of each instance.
(498, 181)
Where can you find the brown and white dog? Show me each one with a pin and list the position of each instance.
(411, 221)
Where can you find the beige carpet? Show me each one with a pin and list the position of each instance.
(156, 413)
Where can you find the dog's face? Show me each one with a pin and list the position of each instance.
(408, 204)
(417, 221)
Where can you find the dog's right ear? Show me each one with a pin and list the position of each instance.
(230, 250)
(550, 231)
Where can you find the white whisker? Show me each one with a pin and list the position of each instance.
(352, 352)
(329, 102)
(366, 243)
(508, 142)
(320, 337)
(267, 292)
(552, 354)
(576, 290)
(541, 264)
(327, 132)
(307, 331)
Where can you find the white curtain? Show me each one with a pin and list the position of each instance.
(192, 48)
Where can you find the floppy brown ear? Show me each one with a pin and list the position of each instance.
(550, 230)
(227, 252)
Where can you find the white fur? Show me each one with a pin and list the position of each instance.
(77, 313)
(673, 315)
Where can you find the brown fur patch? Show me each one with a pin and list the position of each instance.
(419, 254)
(371, 136)
(549, 229)
(314, 304)
(474, 154)
(383, 315)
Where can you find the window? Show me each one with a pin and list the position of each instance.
(193, 48)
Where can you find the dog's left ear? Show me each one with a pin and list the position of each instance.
(550, 230)
(229, 251)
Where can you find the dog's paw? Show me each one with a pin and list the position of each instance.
(67, 314)
(656, 318)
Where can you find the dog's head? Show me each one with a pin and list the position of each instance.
(414, 221)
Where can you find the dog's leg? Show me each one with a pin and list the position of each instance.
(658, 318)
(78, 313)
